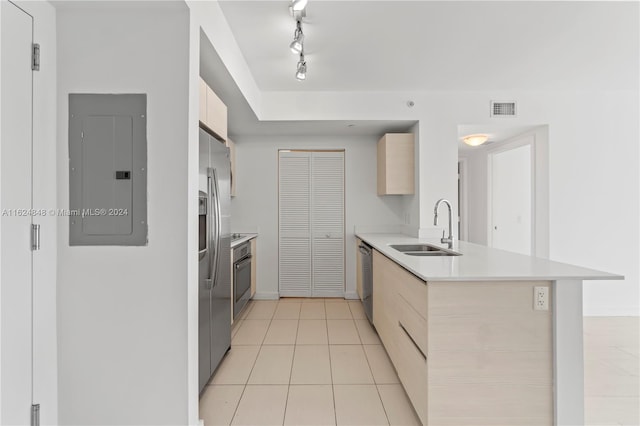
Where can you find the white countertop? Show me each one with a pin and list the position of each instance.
(244, 239)
(478, 263)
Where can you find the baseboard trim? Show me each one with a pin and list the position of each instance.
(272, 295)
(351, 295)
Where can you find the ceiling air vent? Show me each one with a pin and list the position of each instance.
(503, 109)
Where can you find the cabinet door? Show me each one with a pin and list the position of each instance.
(358, 268)
(254, 265)
(396, 164)
(203, 101)
(216, 114)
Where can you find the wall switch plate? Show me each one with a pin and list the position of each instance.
(541, 298)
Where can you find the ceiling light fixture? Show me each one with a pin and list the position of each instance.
(296, 45)
(475, 140)
(301, 71)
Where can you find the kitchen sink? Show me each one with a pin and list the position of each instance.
(423, 250)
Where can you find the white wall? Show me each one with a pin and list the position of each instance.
(593, 158)
(255, 207)
(122, 311)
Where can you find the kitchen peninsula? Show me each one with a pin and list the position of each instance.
(484, 337)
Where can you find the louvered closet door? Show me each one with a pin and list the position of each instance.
(311, 220)
(295, 224)
(327, 218)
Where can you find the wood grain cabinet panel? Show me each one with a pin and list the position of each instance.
(254, 265)
(212, 112)
(396, 164)
(203, 101)
(466, 353)
(358, 268)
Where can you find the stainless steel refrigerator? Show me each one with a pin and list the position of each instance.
(214, 256)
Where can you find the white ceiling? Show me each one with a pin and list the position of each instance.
(244, 123)
(441, 45)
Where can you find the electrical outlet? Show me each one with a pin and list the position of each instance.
(541, 298)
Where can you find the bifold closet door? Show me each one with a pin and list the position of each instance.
(327, 219)
(294, 224)
(311, 224)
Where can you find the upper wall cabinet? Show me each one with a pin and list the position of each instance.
(213, 112)
(396, 164)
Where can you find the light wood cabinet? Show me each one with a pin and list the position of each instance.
(401, 328)
(463, 349)
(358, 268)
(213, 112)
(396, 164)
(203, 101)
(254, 263)
(232, 157)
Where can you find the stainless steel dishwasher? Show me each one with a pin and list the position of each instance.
(367, 280)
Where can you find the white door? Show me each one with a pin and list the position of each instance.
(511, 199)
(327, 207)
(311, 224)
(15, 226)
(294, 212)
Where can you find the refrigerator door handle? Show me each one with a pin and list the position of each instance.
(215, 192)
(210, 220)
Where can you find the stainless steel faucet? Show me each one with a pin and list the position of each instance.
(449, 239)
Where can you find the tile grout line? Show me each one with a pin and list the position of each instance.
(250, 372)
(333, 386)
(375, 383)
(293, 359)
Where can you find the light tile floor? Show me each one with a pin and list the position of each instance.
(305, 362)
(319, 362)
(611, 379)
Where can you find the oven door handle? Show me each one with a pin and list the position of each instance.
(243, 262)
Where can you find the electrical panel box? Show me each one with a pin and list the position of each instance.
(107, 169)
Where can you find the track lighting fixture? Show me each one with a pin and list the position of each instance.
(296, 45)
(301, 72)
(297, 10)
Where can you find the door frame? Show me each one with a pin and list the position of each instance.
(30, 286)
(344, 214)
(463, 200)
(516, 142)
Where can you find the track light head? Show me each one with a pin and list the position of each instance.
(296, 45)
(301, 71)
(298, 5)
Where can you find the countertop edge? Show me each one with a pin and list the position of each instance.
(247, 237)
(381, 242)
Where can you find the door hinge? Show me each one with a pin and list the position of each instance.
(35, 237)
(35, 415)
(35, 57)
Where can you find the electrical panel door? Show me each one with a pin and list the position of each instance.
(107, 169)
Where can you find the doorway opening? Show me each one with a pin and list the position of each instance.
(503, 192)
